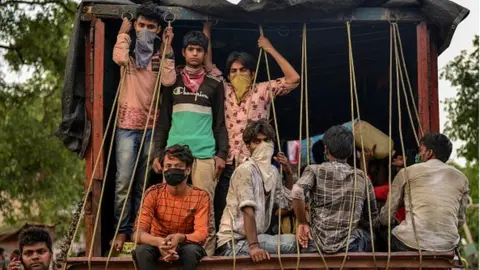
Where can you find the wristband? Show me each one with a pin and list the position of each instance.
(254, 243)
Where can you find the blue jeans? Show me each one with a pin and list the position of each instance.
(127, 143)
(361, 244)
(267, 242)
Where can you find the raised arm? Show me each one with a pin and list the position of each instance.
(207, 30)
(291, 75)
(122, 47)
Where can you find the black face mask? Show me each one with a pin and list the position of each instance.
(174, 176)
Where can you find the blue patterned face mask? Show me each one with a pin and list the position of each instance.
(144, 48)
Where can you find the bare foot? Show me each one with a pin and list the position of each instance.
(119, 241)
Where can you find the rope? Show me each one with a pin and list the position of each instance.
(397, 30)
(352, 106)
(401, 77)
(305, 89)
(307, 123)
(361, 143)
(403, 152)
(107, 166)
(90, 185)
(353, 79)
(272, 98)
(302, 89)
(156, 94)
(390, 110)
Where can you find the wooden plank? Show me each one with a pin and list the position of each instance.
(422, 76)
(356, 260)
(365, 14)
(434, 101)
(89, 157)
(96, 137)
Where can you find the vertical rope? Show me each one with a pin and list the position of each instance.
(405, 178)
(307, 123)
(402, 57)
(155, 100)
(90, 185)
(272, 98)
(361, 143)
(352, 106)
(302, 89)
(105, 175)
(389, 236)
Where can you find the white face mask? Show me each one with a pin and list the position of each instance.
(262, 158)
(263, 153)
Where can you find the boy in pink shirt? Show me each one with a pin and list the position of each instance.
(245, 102)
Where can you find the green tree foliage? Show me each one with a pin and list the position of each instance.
(39, 179)
(462, 124)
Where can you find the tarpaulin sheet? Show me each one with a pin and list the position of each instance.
(75, 129)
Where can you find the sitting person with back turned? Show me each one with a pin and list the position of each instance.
(36, 250)
(174, 216)
(331, 185)
(255, 187)
(438, 196)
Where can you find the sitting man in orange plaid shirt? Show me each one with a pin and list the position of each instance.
(174, 216)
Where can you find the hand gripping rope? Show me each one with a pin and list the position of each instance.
(156, 99)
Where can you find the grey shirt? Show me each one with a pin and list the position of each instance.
(439, 194)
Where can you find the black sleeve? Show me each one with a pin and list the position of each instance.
(164, 122)
(219, 128)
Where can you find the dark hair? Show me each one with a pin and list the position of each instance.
(243, 57)
(2, 250)
(182, 152)
(195, 38)
(150, 11)
(34, 235)
(258, 127)
(339, 142)
(318, 149)
(439, 144)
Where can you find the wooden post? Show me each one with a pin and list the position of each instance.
(94, 63)
(423, 68)
(434, 102)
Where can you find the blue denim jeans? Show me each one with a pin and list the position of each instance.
(127, 143)
(266, 242)
(361, 244)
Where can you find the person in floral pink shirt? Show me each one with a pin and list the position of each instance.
(245, 102)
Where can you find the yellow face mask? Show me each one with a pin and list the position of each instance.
(241, 84)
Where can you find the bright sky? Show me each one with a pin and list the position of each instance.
(462, 40)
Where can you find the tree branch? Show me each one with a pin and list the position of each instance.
(40, 3)
(6, 47)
